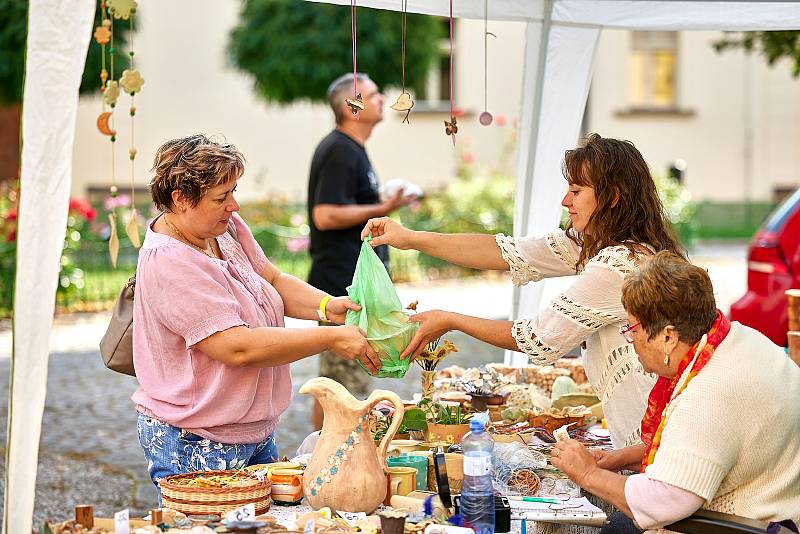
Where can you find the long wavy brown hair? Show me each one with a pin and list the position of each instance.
(629, 211)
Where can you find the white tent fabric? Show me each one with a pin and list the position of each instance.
(58, 38)
(562, 35)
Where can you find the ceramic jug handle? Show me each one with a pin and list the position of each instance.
(397, 418)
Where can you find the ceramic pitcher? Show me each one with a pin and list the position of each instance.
(347, 471)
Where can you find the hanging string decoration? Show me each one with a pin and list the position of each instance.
(131, 82)
(356, 104)
(104, 35)
(486, 117)
(404, 101)
(451, 127)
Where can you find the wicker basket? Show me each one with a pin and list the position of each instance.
(200, 500)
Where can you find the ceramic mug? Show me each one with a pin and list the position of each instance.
(420, 463)
(402, 481)
(287, 486)
(403, 445)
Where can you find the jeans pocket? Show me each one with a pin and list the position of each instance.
(189, 437)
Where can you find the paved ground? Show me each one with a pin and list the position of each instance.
(89, 451)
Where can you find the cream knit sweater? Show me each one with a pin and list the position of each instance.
(733, 436)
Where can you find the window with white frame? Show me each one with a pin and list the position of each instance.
(653, 63)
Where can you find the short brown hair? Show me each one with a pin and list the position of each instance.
(668, 290)
(192, 165)
(629, 210)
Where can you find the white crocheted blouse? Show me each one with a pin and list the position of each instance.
(589, 312)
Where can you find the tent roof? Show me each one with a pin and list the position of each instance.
(620, 14)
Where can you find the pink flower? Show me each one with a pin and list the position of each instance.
(11, 215)
(119, 202)
(500, 120)
(297, 219)
(298, 244)
(468, 158)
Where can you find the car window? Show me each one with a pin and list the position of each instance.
(779, 217)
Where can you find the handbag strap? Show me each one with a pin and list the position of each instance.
(131, 283)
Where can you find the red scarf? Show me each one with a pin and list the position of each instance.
(654, 418)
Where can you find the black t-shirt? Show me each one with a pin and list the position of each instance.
(340, 174)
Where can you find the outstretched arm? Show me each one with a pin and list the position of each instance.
(477, 251)
(434, 324)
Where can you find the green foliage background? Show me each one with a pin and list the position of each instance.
(294, 50)
(772, 45)
(13, 37)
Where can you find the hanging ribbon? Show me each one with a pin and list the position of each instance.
(451, 128)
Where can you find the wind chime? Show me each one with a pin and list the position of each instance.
(404, 101)
(131, 82)
(356, 104)
(451, 127)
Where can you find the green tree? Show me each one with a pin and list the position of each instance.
(13, 36)
(772, 45)
(295, 49)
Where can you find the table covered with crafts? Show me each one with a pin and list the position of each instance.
(383, 459)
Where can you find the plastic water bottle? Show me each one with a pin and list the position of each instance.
(477, 494)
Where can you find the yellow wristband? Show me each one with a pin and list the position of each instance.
(322, 305)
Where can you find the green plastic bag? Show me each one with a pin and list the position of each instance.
(381, 316)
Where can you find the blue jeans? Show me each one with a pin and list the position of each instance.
(170, 450)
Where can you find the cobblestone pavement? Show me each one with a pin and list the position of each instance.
(89, 450)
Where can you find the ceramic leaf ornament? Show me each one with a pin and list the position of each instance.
(113, 240)
(404, 103)
(132, 229)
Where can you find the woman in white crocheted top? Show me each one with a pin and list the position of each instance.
(616, 218)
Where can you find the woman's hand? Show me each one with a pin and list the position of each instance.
(432, 325)
(573, 460)
(350, 343)
(336, 309)
(385, 231)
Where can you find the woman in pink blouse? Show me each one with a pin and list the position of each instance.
(210, 351)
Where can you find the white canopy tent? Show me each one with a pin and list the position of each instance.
(561, 37)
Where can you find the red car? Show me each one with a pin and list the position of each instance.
(773, 266)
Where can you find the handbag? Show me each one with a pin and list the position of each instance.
(116, 347)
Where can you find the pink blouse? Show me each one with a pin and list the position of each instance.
(655, 504)
(183, 297)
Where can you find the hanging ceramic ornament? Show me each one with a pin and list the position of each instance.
(486, 117)
(113, 240)
(356, 104)
(132, 228)
(404, 101)
(131, 81)
(103, 125)
(122, 9)
(111, 93)
(451, 128)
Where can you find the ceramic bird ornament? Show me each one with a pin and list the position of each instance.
(356, 105)
(404, 103)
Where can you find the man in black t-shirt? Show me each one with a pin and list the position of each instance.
(342, 195)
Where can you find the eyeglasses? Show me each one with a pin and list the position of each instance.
(626, 331)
